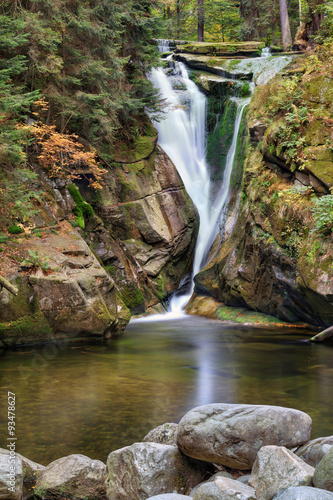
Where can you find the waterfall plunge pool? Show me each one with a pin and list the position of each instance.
(95, 398)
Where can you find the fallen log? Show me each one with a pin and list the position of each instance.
(11, 288)
(324, 335)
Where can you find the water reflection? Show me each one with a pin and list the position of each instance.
(92, 399)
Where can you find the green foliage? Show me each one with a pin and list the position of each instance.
(35, 261)
(15, 229)
(323, 214)
(3, 238)
(19, 193)
(88, 59)
(245, 90)
(325, 35)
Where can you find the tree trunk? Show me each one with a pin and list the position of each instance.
(178, 18)
(11, 288)
(285, 26)
(322, 336)
(200, 21)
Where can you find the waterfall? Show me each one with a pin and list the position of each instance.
(266, 52)
(163, 45)
(182, 135)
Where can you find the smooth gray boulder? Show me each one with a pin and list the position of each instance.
(76, 477)
(303, 493)
(147, 469)
(11, 477)
(276, 469)
(212, 479)
(168, 496)
(224, 488)
(323, 477)
(313, 451)
(163, 434)
(231, 434)
(244, 479)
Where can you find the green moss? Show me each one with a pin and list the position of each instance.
(220, 132)
(111, 269)
(242, 315)
(27, 328)
(83, 211)
(15, 229)
(131, 295)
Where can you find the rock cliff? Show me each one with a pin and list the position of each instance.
(83, 268)
(275, 252)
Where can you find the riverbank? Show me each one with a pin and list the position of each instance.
(218, 451)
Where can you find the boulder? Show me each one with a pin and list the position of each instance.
(147, 469)
(277, 468)
(73, 477)
(11, 477)
(231, 435)
(303, 493)
(30, 469)
(313, 451)
(163, 434)
(212, 479)
(323, 477)
(224, 488)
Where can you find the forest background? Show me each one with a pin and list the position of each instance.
(73, 80)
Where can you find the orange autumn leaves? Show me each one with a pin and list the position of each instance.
(63, 156)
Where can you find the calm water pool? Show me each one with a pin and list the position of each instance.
(95, 398)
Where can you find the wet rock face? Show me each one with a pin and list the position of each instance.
(147, 469)
(74, 296)
(148, 230)
(251, 272)
(231, 435)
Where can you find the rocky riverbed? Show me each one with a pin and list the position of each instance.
(216, 452)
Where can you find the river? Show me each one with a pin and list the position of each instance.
(95, 398)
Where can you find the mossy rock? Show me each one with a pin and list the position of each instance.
(222, 48)
(142, 148)
(321, 163)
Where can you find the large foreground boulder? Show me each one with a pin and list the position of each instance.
(146, 469)
(11, 478)
(303, 493)
(323, 477)
(232, 435)
(74, 477)
(277, 468)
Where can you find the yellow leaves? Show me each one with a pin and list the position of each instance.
(63, 155)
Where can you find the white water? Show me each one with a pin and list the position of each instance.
(182, 135)
(163, 45)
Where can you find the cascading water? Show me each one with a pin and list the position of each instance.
(182, 136)
(163, 45)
